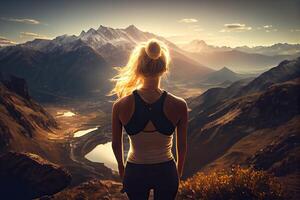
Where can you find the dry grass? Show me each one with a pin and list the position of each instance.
(235, 184)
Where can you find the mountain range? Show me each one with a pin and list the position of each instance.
(82, 65)
(224, 76)
(198, 46)
(242, 59)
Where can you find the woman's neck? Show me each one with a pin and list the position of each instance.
(151, 83)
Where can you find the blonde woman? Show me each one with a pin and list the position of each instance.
(150, 116)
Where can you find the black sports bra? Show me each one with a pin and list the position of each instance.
(144, 112)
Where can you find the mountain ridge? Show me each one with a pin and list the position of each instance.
(271, 50)
(235, 125)
(84, 64)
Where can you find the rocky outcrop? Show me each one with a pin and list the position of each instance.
(281, 157)
(28, 176)
(92, 190)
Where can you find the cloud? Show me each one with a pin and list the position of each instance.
(33, 35)
(235, 27)
(271, 30)
(188, 20)
(6, 42)
(295, 30)
(22, 20)
(268, 26)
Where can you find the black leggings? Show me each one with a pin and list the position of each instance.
(161, 177)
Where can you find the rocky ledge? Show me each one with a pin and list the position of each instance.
(27, 176)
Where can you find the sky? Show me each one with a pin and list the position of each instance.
(222, 23)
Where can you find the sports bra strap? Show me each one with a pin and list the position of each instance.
(145, 111)
(161, 99)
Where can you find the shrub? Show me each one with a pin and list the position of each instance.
(235, 184)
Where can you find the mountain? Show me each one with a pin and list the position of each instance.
(21, 118)
(59, 73)
(252, 122)
(275, 49)
(200, 46)
(239, 61)
(224, 75)
(242, 59)
(81, 66)
(285, 71)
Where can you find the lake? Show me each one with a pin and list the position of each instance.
(83, 132)
(103, 153)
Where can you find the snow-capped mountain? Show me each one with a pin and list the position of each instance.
(109, 42)
(77, 65)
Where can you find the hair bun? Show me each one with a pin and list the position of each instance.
(153, 50)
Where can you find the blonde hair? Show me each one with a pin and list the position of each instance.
(149, 59)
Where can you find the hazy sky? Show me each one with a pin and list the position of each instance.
(231, 23)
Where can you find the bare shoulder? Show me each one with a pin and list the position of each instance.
(122, 102)
(177, 101)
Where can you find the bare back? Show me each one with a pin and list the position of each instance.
(174, 107)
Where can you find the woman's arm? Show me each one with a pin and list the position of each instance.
(181, 138)
(117, 138)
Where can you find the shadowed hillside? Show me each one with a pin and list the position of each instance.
(236, 125)
(21, 119)
(25, 126)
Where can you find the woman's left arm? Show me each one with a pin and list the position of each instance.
(117, 139)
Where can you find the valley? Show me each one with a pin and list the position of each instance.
(54, 104)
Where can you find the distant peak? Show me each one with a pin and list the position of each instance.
(91, 30)
(225, 69)
(198, 42)
(101, 27)
(132, 27)
(82, 33)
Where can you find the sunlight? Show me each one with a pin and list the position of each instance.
(83, 132)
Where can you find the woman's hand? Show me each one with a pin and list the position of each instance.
(121, 169)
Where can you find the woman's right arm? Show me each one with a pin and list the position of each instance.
(181, 137)
(117, 138)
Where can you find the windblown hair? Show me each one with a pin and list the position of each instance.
(149, 59)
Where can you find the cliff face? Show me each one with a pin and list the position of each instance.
(21, 118)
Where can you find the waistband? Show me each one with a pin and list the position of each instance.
(152, 164)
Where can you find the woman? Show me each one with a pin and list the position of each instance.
(150, 115)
